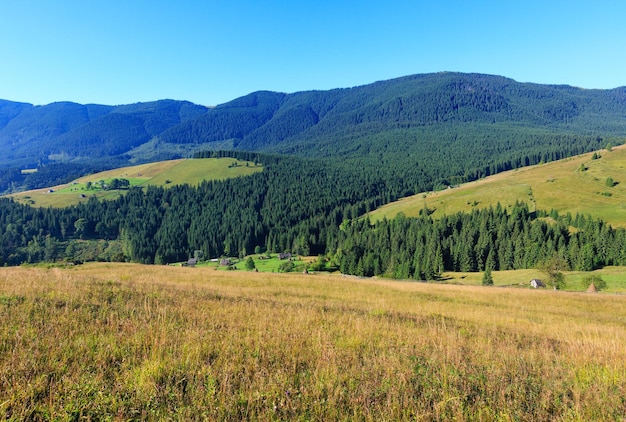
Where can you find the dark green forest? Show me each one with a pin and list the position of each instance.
(489, 239)
(307, 207)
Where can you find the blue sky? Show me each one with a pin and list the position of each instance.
(212, 51)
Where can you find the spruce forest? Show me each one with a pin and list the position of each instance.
(328, 159)
(307, 214)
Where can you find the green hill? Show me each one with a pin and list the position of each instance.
(574, 185)
(164, 173)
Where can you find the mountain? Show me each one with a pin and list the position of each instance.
(34, 135)
(478, 124)
(405, 111)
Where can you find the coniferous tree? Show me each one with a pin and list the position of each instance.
(487, 278)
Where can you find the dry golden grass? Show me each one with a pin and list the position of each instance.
(145, 342)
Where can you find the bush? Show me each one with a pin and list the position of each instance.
(552, 268)
(286, 267)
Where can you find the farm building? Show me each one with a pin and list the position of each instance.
(535, 283)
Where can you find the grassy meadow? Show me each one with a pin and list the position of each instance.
(615, 278)
(262, 262)
(576, 185)
(162, 173)
(125, 341)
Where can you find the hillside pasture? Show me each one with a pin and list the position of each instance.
(615, 278)
(163, 173)
(574, 185)
(127, 341)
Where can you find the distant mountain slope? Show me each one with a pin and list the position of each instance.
(32, 135)
(442, 100)
(476, 124)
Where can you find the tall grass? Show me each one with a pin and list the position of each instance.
(146, 342)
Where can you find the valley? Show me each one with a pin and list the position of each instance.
(455, 172)
(359, 253)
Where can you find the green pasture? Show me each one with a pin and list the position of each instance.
(262, 263)
(193, 172)
(575, 185)
(615, 278)
(163, 173)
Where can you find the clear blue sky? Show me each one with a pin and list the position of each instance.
(212, 51)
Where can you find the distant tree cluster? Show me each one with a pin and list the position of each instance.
(483, 240)
(116, 184)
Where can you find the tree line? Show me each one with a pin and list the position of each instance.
(307, 207)
(484, 240)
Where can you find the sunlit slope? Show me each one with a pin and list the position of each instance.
(163, 173)
(579, 184)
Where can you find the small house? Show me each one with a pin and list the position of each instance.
(285, 255)
(535, 283)
(192, 262)
(225, 262)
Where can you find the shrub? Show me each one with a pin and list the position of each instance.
(286, 267)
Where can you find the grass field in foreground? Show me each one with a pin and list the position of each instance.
(162, 173)
(124, 341)
(576, 185)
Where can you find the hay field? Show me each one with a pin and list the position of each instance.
(125, 341)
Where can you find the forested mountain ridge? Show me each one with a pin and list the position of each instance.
(383, 118)
(350, 121)
(65, 131)
(341, 153)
